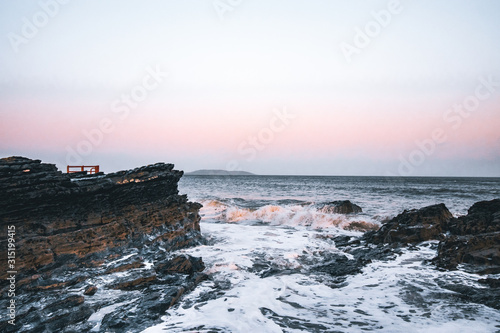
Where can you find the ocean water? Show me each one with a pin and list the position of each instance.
(267, 235)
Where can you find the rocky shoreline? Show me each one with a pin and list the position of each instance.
(98, 252)
(470, 243)
(84, 243)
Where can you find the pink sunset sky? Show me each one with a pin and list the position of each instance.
(266, 88)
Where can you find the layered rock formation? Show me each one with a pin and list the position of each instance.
(70, 232)
(56, 216)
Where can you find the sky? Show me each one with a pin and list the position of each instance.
(283, 87)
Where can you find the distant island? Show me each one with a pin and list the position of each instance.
(205, 172)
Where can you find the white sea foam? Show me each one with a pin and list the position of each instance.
(268, 235)
(401, 295)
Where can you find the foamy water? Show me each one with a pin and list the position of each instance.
(264, 247)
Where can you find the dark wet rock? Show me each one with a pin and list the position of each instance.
(184, 264)
(67, 302)
(343, 240)
(266, 266)
(61, 320)
(362, 226)
(493, 283)
(477, 253)
(338, 265)
(57, 316)
(121, 267)
(90, 291)
(473, 240)
(367, 254)
(468, 293)
(413, 226)
(138, 313)
(483, 217)
(293, 323)
(341, 207)
(135, 281)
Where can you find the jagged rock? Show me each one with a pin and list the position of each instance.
(139, 314)
(482, 217)
(73, 228)
(341, 207)
(184, 264)
(135, 282)
(125, 267)
(42, 283)
(90, 291)
(70, 301)
(474, 240)
(60, 321)
(339, 265)
(55, 216)
(362, 226)
(55, 317)
(413, 226)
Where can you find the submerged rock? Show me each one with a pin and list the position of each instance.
(341, 207)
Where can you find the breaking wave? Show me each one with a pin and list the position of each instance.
(283, 212)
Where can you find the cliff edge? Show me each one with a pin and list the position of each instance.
(79, 235)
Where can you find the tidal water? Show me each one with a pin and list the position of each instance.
(266, 236)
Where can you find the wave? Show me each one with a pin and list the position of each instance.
(282, 212)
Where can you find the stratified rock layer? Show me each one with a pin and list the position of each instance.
(56, 216)
(87, 242)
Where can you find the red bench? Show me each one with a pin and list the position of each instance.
(90, 169)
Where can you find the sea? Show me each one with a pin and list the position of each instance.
(265, 237)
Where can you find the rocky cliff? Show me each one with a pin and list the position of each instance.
(71, 231)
